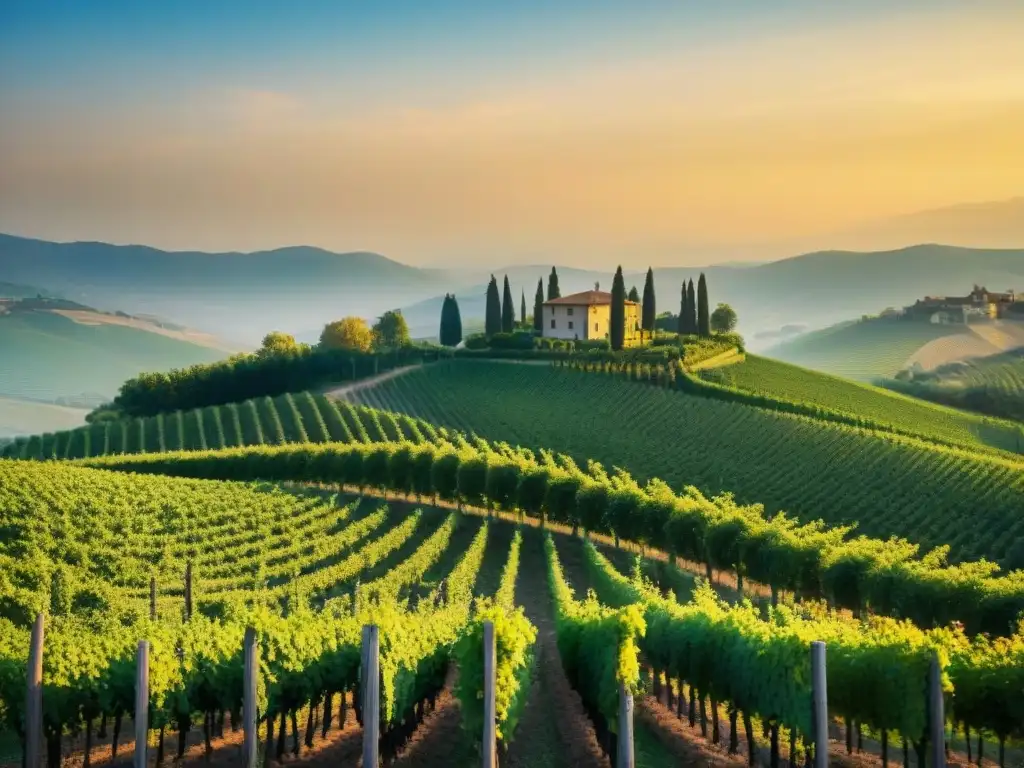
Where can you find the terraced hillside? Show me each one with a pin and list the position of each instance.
(778, 379)
(884, 484)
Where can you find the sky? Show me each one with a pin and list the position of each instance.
(455, 131)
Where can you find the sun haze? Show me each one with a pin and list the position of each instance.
(433, 132)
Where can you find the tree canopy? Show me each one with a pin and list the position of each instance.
(347, 333)
(633, 295)
(553, 290)
(617, 321)
(492, 315)
(723, 319)
(538, 307)
(508, 309)
(703, 315)
(278, 343)
(649, 313)
(451, 322)
(391, 331)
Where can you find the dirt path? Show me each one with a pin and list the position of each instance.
(439, 740)
(554, 730)
(345, 390)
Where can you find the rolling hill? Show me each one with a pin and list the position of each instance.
(993, 385)
(876, 348)
(76, 355)
(241, 296)
(908, 415)
(236, 296)
(810, 468)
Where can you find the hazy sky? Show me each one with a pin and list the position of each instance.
(457, 131)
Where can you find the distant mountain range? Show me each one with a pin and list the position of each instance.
(983, 225)
(240, 297)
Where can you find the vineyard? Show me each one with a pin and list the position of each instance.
(883, 483)
(993, 385)
(306, 569)
(298, 418)
(772, 378)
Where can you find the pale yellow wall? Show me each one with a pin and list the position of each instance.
(588, 322)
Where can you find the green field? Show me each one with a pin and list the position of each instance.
(789, 382)
(47, 356)
(809, 468)
(865, 349)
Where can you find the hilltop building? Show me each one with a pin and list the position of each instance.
(979, 305)
(587, 316)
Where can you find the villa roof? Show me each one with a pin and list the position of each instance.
(584, 299)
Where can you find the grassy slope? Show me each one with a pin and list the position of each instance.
(774, 378)
(863, 350)
(47, 356)
(810, 468)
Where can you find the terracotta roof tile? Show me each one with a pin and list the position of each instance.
(585, 298)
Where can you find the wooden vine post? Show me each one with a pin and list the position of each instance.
(819, 694)
(250, 743)
(936, 716)
(490, 724)
(370, 687)
(141, 704)
(624, 758)
(34, 697)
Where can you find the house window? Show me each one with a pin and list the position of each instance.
(568, 311)
(552, 322)
(570, 325)
(597, 327)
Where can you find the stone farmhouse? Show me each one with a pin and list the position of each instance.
(979, 305)
(587, 316)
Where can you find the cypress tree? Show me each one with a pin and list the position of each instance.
(522, 309)
(703, 313)
(648, 313)
(617, 331)
(451, 322)
(691, 309)
(442, 334)
(508, 309)
(633, 295)
(683, 306)
(553, 292)
(455, 327)
(538, 308)
(492, 317)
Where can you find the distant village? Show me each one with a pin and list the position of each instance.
(980, 305)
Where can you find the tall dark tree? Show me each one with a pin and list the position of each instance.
(648, 312)
(451, 322)
(617, 321)
(703, 312)
(633, 295)
(508, 309)
(492, 317)
(538, 307)
(553, 291)
(522, 309)
(684, 305)
(691, 309)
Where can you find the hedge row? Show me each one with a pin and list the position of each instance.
(861, 574)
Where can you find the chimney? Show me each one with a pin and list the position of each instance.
(597, 286)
